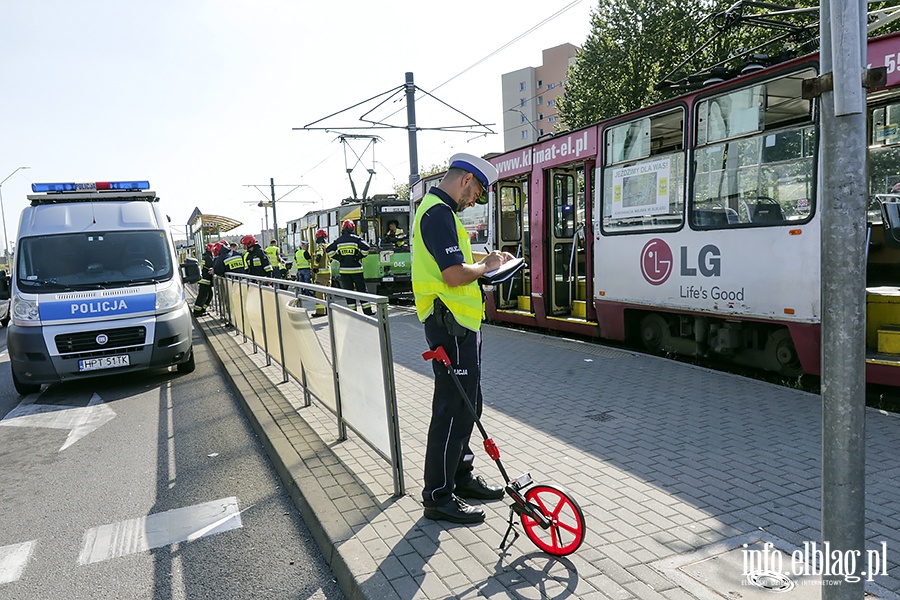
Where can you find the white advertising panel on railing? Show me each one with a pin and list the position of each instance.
(361, 377)
(271, 323)
(302, 349)
(234, 297)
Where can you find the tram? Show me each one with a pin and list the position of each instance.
(387, 268)
(693, 226)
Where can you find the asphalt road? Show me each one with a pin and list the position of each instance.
(149, 485)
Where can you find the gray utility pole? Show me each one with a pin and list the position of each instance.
(274, 218)
(843, 266)
(413, 149)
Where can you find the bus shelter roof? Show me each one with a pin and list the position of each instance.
(214, 223)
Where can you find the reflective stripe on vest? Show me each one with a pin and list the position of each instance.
(464, 301)
(234, 262)
(300, 260)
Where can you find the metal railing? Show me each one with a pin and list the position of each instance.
(341, 357)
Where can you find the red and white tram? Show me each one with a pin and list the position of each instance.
(693, 226)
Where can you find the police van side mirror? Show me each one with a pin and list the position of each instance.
(190, 270)
(4, 285)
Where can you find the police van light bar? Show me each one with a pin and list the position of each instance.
(90, 187)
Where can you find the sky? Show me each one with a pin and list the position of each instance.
(201, 98)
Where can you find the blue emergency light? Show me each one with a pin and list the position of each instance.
(90, 187)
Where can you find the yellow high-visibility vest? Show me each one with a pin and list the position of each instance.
(464, 301)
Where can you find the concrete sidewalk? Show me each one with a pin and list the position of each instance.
(675, 467)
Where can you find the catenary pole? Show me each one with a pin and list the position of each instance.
(843, 264)
(274, 218)
(413, 148)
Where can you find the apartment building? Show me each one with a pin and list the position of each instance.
(529, 97)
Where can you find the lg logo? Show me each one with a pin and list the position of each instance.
(657, 262)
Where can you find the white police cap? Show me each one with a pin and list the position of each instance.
(484, 172)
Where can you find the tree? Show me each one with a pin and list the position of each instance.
(632, 44)
(635, 44)
(402, 189)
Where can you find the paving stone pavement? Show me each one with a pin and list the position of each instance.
(665, 459)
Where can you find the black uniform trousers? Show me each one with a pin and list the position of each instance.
(355, 281)
(448, 458)
(204, 295)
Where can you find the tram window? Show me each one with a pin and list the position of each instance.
(510, 213)
(648, 193)
(630, 141)
(730, 115)
(758, 181)
(884, 149)
(564, 204)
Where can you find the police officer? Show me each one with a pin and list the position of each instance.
(349, 250)
(205, 291)
(256, 261)
(302, 260)
(449, 303)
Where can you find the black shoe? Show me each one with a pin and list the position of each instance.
(477, 488)
(455, 511)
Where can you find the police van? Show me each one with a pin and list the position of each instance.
(96, 286)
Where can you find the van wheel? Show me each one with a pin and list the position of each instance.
(188, 365)
(24, 388)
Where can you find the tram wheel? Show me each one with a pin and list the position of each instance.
(654, 332)
(566, 531)
(781, 354)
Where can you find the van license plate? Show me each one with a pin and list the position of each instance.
(104, 362)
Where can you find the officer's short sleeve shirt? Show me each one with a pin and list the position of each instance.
(438, 227)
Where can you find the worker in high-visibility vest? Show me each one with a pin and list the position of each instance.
(449, 303)
(275, 259)
(302, 259)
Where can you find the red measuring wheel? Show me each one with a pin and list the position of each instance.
(566, 531)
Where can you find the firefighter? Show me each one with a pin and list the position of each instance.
(205, 291)
(256, 261)
(321, 268)
(349, 250)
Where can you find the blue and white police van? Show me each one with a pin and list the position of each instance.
(96, 287)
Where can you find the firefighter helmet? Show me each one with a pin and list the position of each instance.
(348, 225)
(209, 247)
(321, 234)
(214, 249)
(248, 240)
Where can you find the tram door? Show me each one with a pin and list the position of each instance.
(567, 265)
(512, 219)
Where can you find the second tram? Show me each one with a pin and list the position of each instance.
(694, 226)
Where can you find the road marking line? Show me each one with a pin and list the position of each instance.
(13, 559)
(160, 529)
(79, 420)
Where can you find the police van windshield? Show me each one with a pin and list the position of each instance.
(92, 260)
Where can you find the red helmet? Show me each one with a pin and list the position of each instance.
(248, 240)
(209, 247)
(348, 225)
(214, 249)
(321, 234)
